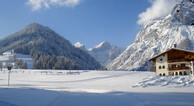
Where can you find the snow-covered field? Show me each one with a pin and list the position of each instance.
(94, 88)
(25, 58)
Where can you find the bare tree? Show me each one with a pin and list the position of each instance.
(19, 63)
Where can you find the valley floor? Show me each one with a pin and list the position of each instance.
(94, 88)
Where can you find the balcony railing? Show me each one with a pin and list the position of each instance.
(177, 68)
(178, 60)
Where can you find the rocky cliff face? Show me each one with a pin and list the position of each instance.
(157, 36)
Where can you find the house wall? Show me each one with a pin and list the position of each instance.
(173, 73)
(187, 64)
(162, 62)
(178, 72)
(174, 56)
(192, 68)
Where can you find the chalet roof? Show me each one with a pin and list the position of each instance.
(168, 51)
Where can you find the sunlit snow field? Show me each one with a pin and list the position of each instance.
(94, 88)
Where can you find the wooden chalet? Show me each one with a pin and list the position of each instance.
(174, 62)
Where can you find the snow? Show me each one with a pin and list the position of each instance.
(78, 45)
(26, 58)
(94, 88)
(168, 81)
(104, 52)
(100, 47)
(155, 37)
(101, 44)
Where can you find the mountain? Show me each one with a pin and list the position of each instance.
(45, 45)
(104, 52)
(158, 36)
(80, 46)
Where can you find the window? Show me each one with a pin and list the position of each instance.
(180, 73)
(164, 74)
(174, 66)
(176, 73)
(160, 74)
(191, 72)
(161, 59)
(182, 65)
(159, 67)
(185, 73)
(163, 67)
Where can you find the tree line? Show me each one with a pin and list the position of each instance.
(43, 61)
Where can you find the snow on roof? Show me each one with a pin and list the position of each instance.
(7, 53)
(170, 50)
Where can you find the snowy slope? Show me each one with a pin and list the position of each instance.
(94, 88)
(157, 36)
(80, 46)
(26, 58)
(104, 52)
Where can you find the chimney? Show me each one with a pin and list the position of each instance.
(175, 45)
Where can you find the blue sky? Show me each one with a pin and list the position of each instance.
(87, 21)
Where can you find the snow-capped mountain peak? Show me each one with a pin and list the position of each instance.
(103, 44)
(104, 52)
(101, 47)
(80, 46)
(158, 36)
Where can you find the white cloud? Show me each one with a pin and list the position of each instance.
(158, 8)
(38, 4)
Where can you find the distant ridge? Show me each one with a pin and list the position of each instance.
(104, 52)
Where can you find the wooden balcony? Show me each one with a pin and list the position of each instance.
(178, 68)
(178, 60)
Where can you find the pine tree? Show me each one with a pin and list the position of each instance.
(25, 65)
(1, 66)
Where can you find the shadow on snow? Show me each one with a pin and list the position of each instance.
(39, 97)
